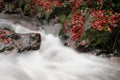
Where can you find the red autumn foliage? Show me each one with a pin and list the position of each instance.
(76, 30)
(76, 4)
(3, 38)
(44, 4)
(47, 4)
(77, 22)
(103, 19)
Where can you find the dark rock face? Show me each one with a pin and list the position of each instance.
(13, 42)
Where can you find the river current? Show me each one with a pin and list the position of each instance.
(54, 61)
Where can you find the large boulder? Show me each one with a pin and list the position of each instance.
(11, 42)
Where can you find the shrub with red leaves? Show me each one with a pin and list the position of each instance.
(104, 20)
(76, 4)
(76, 30)
(4, 36)
(47, 4)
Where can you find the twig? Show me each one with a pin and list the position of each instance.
(102, 4)
(115, 40)
(6, 8)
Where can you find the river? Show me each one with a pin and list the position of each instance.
(54, 61)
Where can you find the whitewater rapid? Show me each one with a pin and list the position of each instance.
(54, 61)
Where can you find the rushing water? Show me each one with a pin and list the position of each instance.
(54, 62)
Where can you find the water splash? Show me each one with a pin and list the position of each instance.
(55, 62)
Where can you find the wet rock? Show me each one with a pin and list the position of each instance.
(117, 58)
(52, 29)
(13, 42)
(27, 22)
(29, 41)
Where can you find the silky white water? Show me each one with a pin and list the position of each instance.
(54, 62)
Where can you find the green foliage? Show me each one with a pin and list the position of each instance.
(97, 38)
(61, 11)
(62, 18)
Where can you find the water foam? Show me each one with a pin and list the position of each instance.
(55, 62)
